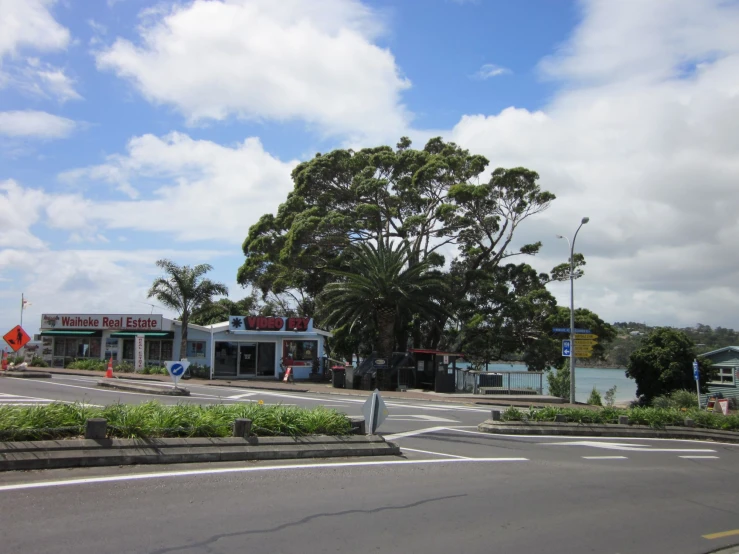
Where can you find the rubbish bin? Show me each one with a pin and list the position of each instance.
(339, 376)
(349, 373)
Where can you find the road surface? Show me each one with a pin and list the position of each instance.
(453, 490)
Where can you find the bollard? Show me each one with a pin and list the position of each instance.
(359, 426)
(560, 418)
(689, 422)
(96, 428)
(495, 414)
(242, 427)
(623, 420)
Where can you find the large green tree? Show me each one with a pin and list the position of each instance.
(184, 289)
(384, 288)
(664, 363)
(436, 200)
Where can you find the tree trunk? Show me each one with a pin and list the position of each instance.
(183, 344)
(386, 342)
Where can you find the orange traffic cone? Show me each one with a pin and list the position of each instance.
(5, 360)
(109, 372)
(288, 376)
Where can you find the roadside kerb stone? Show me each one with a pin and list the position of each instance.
(88, 453)
(242, 427)
(96, 428)
(26, 374)
(608, 430)
(134, 387)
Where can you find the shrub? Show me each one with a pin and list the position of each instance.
(37, 361)
(122, 367)
(559, 382)
(512, 414)
(684, 399)
(87, 364)
(594, 399)
(610, 396)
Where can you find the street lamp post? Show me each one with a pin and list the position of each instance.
(572, 306)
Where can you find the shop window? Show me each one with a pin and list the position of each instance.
(95, 347)
(58, 347)
(111, 349)
(154, 350)
(299, 351)
(195, 349)
(166, 350)
(128, 349)
(70, 349)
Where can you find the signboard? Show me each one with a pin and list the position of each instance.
(241, 323)
(133, 322)
(446, 359)
(567, 330)
(696, 372)
(379, 362)
(580, 354)
(177, 369)
(585, 336)
(374, 411)
(16, 338)
(139, 352)
(566, 348)
(723, 404)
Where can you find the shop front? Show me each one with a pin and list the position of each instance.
(264, 347)
(69, 337)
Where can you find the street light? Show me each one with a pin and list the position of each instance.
(572, 306)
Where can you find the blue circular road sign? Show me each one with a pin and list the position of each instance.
(177, 369)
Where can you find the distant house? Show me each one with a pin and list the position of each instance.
(635, 333)
(726, 361)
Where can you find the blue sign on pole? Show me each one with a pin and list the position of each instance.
(696, 373)
(567, 330)
(566, 348)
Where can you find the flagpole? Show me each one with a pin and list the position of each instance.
(22, 306)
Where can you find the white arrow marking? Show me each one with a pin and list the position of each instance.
(423, 417)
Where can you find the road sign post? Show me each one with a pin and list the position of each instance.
(177, 369)
(697, 376)
(374, 411)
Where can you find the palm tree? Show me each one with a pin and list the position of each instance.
(184, 289)
(383, 288)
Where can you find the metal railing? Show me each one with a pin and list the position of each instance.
(510, 382)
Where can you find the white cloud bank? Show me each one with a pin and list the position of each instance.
(643, 139)
(264, 60)
(31, 123)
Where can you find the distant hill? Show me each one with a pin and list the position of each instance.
(630, 334)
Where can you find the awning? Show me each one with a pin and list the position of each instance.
(71, 333)
(147, 334)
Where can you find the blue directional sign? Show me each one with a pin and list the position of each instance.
(567, 330)
(177, 369)
(696, 373)
(566, 348)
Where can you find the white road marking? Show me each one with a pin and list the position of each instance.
(700, 457)
(605, 458)
(217, 471)
(413, 433)
(238, 396)
(96, 389)
(436, 453)
(416, 417)
(628, 447)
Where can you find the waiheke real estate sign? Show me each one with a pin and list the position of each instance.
(125, 322)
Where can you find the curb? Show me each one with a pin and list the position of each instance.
(143, 388)
(607, 430)
(26, 374)
(106, 452)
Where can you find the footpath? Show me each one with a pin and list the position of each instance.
(524, 401)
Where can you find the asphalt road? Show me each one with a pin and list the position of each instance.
(454, 489)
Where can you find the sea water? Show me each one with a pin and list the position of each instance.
(586, 378)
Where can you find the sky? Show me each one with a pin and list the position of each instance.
(133, 130)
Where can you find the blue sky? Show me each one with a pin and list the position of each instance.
(132, 130)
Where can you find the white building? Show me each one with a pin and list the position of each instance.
(241, 348)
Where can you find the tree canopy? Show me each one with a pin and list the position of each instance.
(450, 213)
(664, 363)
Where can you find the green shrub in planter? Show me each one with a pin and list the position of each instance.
(37, 361)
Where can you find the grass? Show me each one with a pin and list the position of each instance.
(657, 418)
(155, 420)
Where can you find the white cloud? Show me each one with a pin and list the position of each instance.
(19, 211)
(29, 24)
(490, 70)
(35, 124)
(218, 191)
(644, 148)
(264, 60)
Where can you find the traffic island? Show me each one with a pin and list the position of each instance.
(25, 374)
(498, 427)
(107, 452)
(144, 389)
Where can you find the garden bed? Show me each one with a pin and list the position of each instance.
(155, 420)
